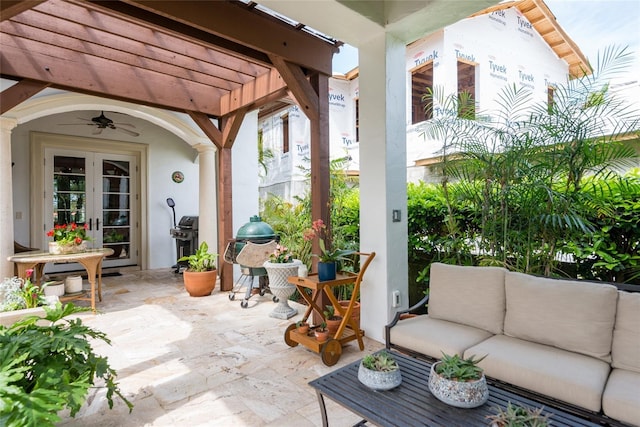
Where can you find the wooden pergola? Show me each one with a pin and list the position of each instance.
(209, 59)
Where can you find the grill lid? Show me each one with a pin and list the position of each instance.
(255, 229)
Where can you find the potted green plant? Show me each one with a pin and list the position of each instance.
(333, 320)
(458, 381)
(321, 332)
(302, 327)
(68, 238)
(201, 274)
(518, 416)
(45, 369)
(327, 266)
(280, 266)
(20, 298)
(379, 371)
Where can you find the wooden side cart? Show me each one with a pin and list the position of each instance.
(331, 349)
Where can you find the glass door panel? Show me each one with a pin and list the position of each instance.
(116, 207)
(69, 190)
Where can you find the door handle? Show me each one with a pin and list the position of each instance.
(97, 224)
(90, 224)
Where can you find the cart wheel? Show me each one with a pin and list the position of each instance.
(232, 296)
(331, 351)
(262, 292)
(287, 336)
(244, 303)
(275, 299)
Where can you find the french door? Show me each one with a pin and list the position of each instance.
(96, 190)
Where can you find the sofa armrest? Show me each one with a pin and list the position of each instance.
(387, 329)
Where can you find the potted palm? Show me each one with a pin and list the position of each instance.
(459, 382)
(379, 371)
(201, 274)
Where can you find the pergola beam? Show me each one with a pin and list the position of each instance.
(18, 93)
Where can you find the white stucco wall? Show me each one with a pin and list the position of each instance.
(166, 153)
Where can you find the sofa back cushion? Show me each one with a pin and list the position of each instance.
(472, 296)
(571, 315)
(625, 349)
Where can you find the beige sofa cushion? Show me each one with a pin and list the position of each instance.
(625, 349)
(564, 375)
(434, 336)
(472, 296)
(621, 399)
(572, 315)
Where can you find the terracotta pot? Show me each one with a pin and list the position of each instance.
(200, 283)
(333, 325)
(321, 336)
(355, 314)
(304, 329)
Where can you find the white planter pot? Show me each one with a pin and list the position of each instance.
(57, 249)
(281, 288)
(460, 394)
(54, 289)
(8, 318)
(73, 284)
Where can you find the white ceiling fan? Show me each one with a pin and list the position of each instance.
(102, 122)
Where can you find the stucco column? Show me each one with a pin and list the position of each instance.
(6, 197)
(207, 210)
(383, 179)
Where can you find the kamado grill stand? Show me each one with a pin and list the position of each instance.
(185, 234)
(258, 232)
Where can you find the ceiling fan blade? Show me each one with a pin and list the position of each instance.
(127, 131)
(124, 124)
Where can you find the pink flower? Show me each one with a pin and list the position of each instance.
(29, 272)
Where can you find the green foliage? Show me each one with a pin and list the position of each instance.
(456, 368)
(330, 313)
(519, 416)
(201, 260)
(45, 369)
(381, 361)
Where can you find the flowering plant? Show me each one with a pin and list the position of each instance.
(69, 234)
(281, 255)
(319, 229)
(17, 294)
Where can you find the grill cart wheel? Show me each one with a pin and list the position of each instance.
(232, 296)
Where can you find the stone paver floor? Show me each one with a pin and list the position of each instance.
(190, 362)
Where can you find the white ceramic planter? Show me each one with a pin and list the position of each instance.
(57, 249)
(54, 289)
(73, 284)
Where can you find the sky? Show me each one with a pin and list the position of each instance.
(591, 24)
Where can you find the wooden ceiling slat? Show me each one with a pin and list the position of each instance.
(19, 92)
(253, 94)
(99, 76)
(56, 41)
(11, 8)
(157, 42)
(246, 27)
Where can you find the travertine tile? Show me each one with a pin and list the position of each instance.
(206, 361)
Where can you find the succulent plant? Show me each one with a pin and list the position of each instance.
(456, 368)
(519, 416)
(382, 362)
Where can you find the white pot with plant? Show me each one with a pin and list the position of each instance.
(201, 275)
(459, 382)
(379, 371)
(280, 266)
(20, 298)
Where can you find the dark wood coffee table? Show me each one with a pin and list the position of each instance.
(412, 404)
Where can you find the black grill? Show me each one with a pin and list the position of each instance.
(186, 236)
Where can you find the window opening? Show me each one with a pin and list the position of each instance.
(421, 79)
(466, 90)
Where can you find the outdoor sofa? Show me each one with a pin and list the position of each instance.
(567, 343)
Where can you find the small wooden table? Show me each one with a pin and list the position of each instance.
(348, 330)
(91, 260)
